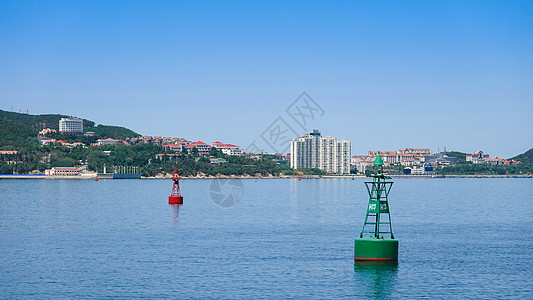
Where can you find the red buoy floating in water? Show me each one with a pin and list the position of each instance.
(96, 178)
(175, 197)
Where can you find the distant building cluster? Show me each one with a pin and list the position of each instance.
(156, 140)
(202, 148)
(309, 151)
(324, 153)
(405, 157)
(479, 157)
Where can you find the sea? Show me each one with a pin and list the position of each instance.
(459, 238)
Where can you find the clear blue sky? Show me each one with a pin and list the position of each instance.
(388, 74)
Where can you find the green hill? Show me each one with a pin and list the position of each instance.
(26, 126)
(39, 121)
(526, 157)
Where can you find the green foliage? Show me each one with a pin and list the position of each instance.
(14, 135)
(38, 122)
(114, 132)
(5, 168)
(485, 169)
(73, 137)
(215, 152)
(526, 158)
(468, 168)
(310, 171)
(63, 162)
(194, 151)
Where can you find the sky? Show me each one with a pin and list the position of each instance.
(385, 75)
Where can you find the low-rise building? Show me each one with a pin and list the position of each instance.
(477, 158)
(203, 148)
(495, 161)
(228, 149)
(214, 160)
(362, 162)
(156, 140)
(103, 142)
(169, 155)
(46, 131)
(46, 141)
(63, 171)
(8, 152)
(427, 169)
(389, 157)
(70, 145)
(404, 157)
(416, 151)
(174, 147)
(440, 159)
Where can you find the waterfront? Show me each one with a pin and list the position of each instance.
(459, 238)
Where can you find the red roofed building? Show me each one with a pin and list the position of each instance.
(173, 147)
(9, 152)
(46, 131)
(63, 171)
(228, 149)
(71, 145)
(478, 157)
(203, 148)
(495, 161)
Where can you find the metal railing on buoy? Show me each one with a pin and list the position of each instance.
(379, 243)
(175, 197)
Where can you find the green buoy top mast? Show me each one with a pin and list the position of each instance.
(377, 220)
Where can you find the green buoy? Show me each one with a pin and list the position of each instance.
(376, 241)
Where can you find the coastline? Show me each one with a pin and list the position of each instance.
(269, 176)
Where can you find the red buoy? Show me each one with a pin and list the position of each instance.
(175, 197)
(96, 178)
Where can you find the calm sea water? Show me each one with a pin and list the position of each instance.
(459, 238)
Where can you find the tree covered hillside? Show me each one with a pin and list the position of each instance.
(17, 127)
(14, 136)
(526, 157)
(39, 121)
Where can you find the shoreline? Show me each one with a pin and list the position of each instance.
(270, 176)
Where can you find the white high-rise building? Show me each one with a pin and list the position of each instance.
(70, 125)
(324, 153)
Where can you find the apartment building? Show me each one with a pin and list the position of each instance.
(70, 125)
(324, 153)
